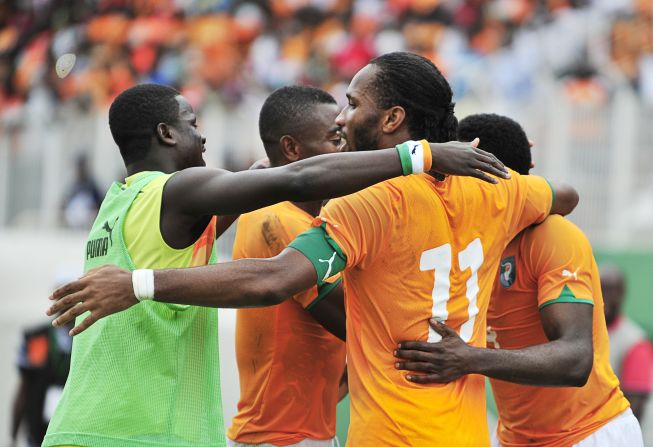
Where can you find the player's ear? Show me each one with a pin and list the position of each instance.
(393, 118)
(290, 148)
(165, 134)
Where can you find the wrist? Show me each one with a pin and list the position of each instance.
(415, 156)
(474, 360)
(143, 284)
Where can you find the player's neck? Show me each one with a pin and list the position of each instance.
(152, 164)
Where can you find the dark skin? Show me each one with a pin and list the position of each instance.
(320, 135)
(613, 286)
(246, 282)
(566, 360)
(196, 193)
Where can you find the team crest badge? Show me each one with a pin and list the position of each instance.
(508, 271)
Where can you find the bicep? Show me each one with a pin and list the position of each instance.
(571, 321)
(204, 191)
(330, 312)
(293, 271)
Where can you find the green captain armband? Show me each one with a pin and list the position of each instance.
(322, 291)
(323, 252)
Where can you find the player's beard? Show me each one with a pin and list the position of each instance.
(367, 138)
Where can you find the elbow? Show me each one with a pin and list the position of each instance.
(567, 199)
(580, 370)
(265, 294)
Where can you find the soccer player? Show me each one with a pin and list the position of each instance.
(408, 249)
(289, 366)
(150, 376)
(631, 353)
(546, 326)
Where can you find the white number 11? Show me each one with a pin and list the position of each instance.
(439, 259)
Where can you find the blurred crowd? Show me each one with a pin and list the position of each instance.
(230, 48)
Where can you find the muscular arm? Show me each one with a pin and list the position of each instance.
(566, 198)
(203, 191)
(566, 360)
(330, 313)
(243, 283)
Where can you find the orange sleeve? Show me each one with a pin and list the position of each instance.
(560, 257)
(531, 202)
(360, 223)
(266, 235)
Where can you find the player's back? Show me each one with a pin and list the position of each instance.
(418, 248)
(550, 263)
(289, 365)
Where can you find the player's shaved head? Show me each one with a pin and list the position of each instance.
(613, 287)
(500, 136)
(290, 111)
(415, 83)
(135, 114)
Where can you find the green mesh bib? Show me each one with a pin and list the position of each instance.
(148, 376)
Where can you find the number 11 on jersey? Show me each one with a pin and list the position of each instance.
(439, 259)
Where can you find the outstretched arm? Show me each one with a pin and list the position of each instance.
(565, 198)
(202, 191)
(243, 283)
(566, 360)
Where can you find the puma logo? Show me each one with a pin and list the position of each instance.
(567, 274)
(100, 246)
(109, 229)
(330, 262)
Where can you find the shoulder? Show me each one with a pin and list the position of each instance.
(284, 213)
(556, 230)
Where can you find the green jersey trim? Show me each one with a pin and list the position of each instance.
(323, 291)
(567, 296)
(322, 251)
(553, 194)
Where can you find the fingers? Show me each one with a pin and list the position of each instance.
(414, 366)
(500, 169)
(70, 315)
(81, 327)
(483, 176)
(442, 328)
(416, 346)
(67, 289)
(65, 303)
(419, 356)
(474, 142)
(425, 378)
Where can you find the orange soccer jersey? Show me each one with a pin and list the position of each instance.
(550, 263)
(417, 248)
(289, 366)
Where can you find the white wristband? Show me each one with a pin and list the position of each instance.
(143, 282)
(416, 156)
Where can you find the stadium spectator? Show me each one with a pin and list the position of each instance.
(631, 352)
(83, 199)
(43, 364)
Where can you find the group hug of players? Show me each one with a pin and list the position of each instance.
(433, 277)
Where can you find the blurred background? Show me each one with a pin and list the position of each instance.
(578, 75)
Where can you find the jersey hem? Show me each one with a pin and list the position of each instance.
(86, 440)
(565, 299)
